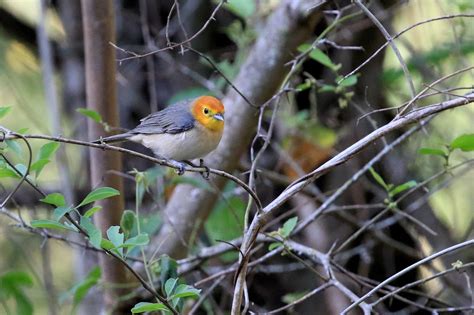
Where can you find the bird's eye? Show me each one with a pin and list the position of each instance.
(206, 111)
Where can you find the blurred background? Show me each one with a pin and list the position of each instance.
(321, 119)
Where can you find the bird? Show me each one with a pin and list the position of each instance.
(184, 131)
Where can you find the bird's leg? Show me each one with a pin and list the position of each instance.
(207, 172)
(204, 174)
(180, 167)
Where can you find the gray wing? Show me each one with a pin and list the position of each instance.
(173, 119)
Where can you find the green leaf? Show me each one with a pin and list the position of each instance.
(99, 194)
(139, 240)
(304, 86)
(464, 143)
(11, 285)
(143, 307)
(14, 146)
(184, 290)
(95, 237)
(378, 179)
(4, 111)
(318, 55)
(59, 212)
(170, 285)
(117, 238)
(401, 188)
(274, 245)
(38, 166)
(432, 151)
(79, 291)
(48, 224)
(288, 227)
(169, 269)
(127, 222)
(90, 113)
(241, 8)
(92, 210)
(7, 172)
(349, 81)
(106, 244)
(55, 199)
(48, 150)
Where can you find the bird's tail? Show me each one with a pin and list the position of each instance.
(113, 139)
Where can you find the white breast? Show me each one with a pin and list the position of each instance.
(187, 145)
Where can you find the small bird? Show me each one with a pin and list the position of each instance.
(184, 131)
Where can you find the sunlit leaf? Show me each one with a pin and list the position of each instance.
(99, 194)
(143, 307)
(288, 227)
(48, 150)
(464, 143)
(49, 224)
(91, 114)
(95, 237)
(91, 211)
(55, 199)
(432, 151)
(59, 212)
(378, 178)
(401, 188)
(184, 290)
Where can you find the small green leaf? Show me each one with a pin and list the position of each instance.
(48, 224)
(318, 55)
(59, 212)
(139, 240)
(127, 222)
(95, 237)
(4, 111)
(38, 166)
(288, 227)
(169, 268)
(349, 81)
(92, 210)
(48, 150)
(55, 199)
(464, 143)
(99, 194)
(117, 238)
(14, 146)
(401, 188)
(143, 307)
(274, 245)
(432, 151)
(184, 290)
(106, 244)
(80, 290)
(378, 179)
(90, 113)
(6, 172)
(304, 86)
(170, 285)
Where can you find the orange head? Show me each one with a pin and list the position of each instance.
(209, 111)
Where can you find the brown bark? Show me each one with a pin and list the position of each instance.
(99, 29)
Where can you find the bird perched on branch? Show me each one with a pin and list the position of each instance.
(184, 131)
